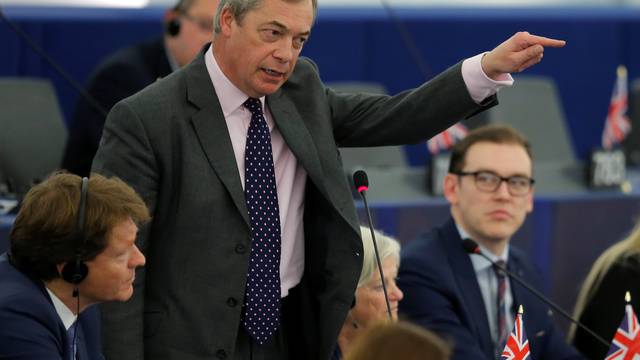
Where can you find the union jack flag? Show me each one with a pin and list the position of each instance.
(445, 140)
(626, 342)
(517, 347)
(617, 124)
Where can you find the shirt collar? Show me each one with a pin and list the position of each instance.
(478, 261)
(65, 314)
(230, 97)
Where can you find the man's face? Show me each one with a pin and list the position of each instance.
(259, 53)
(490, 217)
(196, 29)
(112, 272)
(370, 304)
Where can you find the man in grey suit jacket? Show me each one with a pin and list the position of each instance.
(181, 144)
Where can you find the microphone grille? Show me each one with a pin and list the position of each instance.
(470, 246)
(360, 179)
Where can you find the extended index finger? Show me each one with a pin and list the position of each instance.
(545, 41)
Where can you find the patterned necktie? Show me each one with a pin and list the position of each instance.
(501, 317)
(262, 298)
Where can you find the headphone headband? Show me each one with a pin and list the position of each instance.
(75, 271)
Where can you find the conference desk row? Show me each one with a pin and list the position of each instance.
(364, 44)
(563, 235)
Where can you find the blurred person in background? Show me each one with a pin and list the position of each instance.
(370, 306)
(57, 269)
(601, 302)
(399, 340)
(459, 295)
(187, 27)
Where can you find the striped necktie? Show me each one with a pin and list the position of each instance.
(501, 313)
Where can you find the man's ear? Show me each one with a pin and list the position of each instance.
(227, 21)
(450, 188)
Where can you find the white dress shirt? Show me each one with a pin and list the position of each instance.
(65, 314)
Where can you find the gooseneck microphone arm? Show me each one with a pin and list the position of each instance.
(471, 247)
(58, 69)
(361, 183)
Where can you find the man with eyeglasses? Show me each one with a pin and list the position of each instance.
(188, 26)
(459, 295)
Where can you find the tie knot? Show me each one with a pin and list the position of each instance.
(253, 105)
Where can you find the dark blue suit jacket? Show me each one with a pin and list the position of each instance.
(121, 75)
(442, 294)
(30, 328)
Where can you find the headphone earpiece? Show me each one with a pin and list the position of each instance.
(75, 271)
(173, 27)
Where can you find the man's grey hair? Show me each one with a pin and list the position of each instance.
(239, 8)
(387, 247)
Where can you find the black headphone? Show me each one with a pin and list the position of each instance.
(173, 27)
(75, 271)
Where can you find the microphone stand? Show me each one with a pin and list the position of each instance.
(361, 182)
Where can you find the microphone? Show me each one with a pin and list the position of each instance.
(361, 182)
(472, 247)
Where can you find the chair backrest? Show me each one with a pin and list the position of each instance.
(32, 131)
(533, 107)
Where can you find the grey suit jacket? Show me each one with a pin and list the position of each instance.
(170, 142)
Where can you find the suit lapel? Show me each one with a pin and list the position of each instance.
(211, 129)
(297, 137)
(467, 281)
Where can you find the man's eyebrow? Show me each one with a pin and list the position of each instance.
(282, 27)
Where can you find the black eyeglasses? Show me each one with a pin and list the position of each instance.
(488, 181)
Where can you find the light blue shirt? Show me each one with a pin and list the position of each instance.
(488, 283)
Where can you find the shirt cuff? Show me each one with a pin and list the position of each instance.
(479, 85)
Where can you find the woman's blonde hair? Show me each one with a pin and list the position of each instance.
(628, 247)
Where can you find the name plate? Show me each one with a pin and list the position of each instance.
(607, 169)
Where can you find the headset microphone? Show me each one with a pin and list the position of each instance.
(472, 247)
(361, 183)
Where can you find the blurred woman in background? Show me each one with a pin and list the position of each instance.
(601, 303)
(370, 306)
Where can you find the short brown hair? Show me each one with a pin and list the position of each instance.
(44, 233)
(401, 340)
(497, 134)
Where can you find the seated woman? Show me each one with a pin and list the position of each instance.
(601, 302)
(370, 306)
